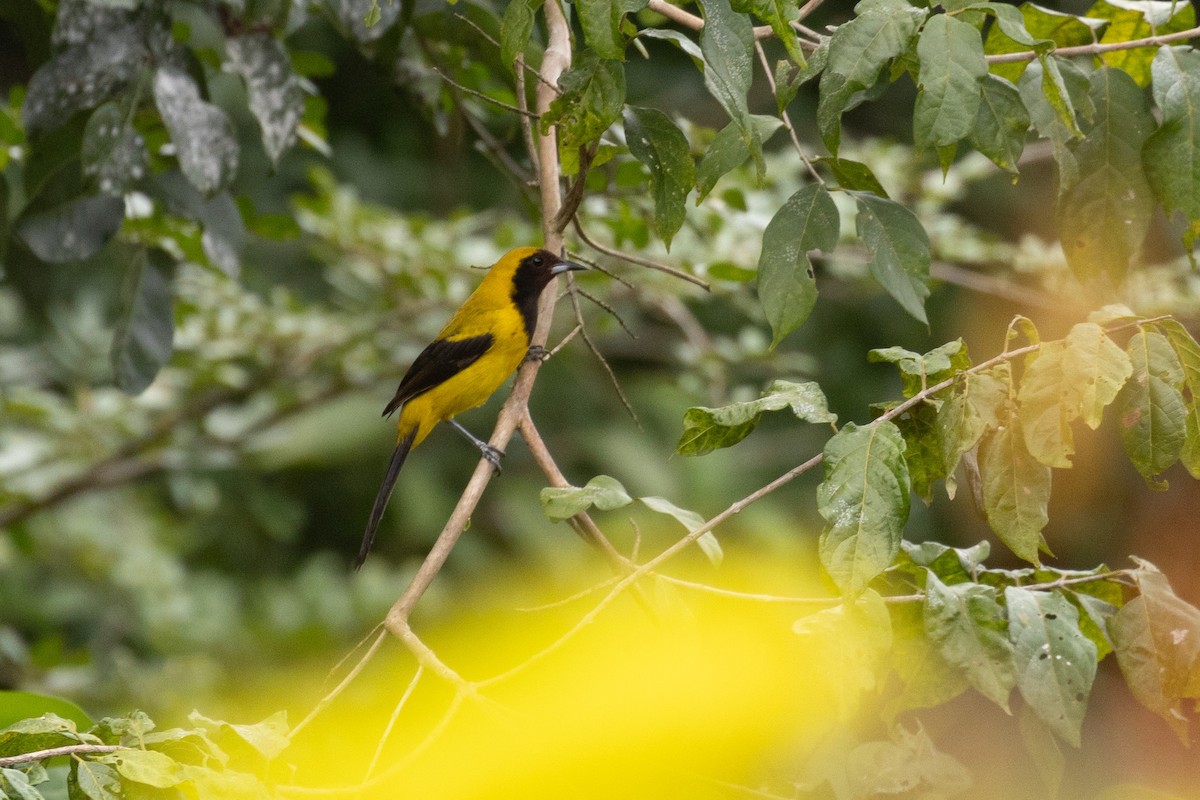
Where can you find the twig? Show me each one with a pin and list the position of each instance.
(785, 117)
(391, 724)
(612, 376)
(571, 598)
(612, 312)
(482, 96)
(577, 256)
(632, 259)
(325, 701)
(1097, 48)
(65, 750)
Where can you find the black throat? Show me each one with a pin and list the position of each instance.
(531, 277)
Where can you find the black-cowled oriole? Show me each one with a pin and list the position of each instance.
(482, 344)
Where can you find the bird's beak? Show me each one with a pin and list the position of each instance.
(565, 266)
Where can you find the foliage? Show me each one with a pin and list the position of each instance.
(174, 345)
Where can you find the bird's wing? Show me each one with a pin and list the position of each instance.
(438, 363)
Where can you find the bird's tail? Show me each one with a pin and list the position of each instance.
(385, 491)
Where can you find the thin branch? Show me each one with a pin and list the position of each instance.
(577, 256)
(612, 312)
(566, 601)
(676, 14)
(325, 701)
(65, 750)
(391, 724)
(785, 117)
(1098, 47)
(634, 259)
(486, 98)
(612, 376)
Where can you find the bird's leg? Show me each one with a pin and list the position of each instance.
(491, 454)
(537, 353)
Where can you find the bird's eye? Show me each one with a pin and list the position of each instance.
(538, 261)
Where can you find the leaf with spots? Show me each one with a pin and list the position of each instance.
(1157, 641)
(1016, 490)
(968, 625)
(656, 142)
(1055, 662)
(708, 429)
(203, 135)
(865, 501)
(1153, 416)
(787, 288)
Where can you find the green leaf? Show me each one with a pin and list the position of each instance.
(952, 69)
(922, 449)
(149, 767)
(1171, 156)
(1152, 412)
(592, 97)
(39, 733)
(728, 150)
(73, 231)
(928, 679)
(1016, 490)
(84, 75)
(1001, 124)
(15, 784)
(969, 627)
(268, 738)
(1156, 637)
(1044, 25)
(787, 288)
(690, 520)
(854, 175)
(789, 78)
(918, 372)
(779, 14)
(1129, 20)
(865, 500)
(17, 706)
(601, 22)
(899, 249)
(707, 429)
(145, 332)
(858, 52)
(93, 780)
(273, 89)
(1104, 212)
(113, 153)
(971, 409)
(952, 565)
(1100, 366)
(516, 28)
(203, 135)
(1051, 108)
(728, 47)
(655, 141)
(603, 492)
(1055, 662)
(847, 644)
(1044, 750)
(1188, 353)
(1065, 380)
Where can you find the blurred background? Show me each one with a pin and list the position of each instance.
(168, 550)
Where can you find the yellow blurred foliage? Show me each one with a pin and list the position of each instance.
(710, 691)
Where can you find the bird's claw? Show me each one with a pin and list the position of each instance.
(492, 455)
(537, 354)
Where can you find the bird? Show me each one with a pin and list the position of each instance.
(482, 344)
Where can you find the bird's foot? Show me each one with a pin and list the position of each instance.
(537, 354)
(492, 455)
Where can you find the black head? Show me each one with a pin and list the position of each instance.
(534, 271)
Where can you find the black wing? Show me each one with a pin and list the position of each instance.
(438, 363)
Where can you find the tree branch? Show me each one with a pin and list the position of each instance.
(65, 750)
(1097, 48)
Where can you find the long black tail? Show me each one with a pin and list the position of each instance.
(381, 499)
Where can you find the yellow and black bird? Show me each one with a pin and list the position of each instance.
(482, 344)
